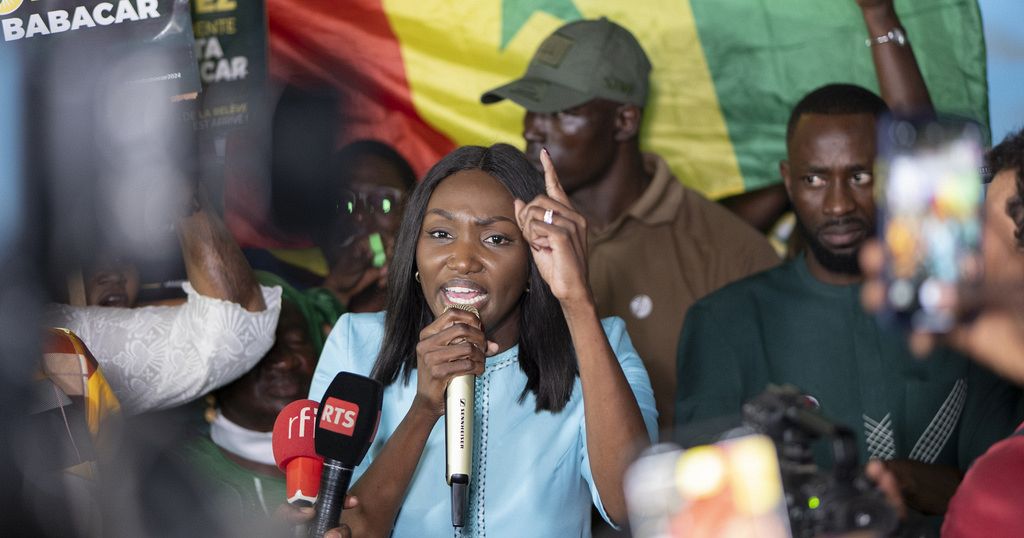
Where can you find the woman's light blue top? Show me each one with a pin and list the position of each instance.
(531, 472)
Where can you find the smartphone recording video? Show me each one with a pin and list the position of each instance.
(930, 196)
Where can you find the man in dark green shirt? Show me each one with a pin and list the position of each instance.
(802, 323)
(785, 326)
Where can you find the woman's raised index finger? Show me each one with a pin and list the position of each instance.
(551, 184)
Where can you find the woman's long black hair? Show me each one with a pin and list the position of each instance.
(546, 353)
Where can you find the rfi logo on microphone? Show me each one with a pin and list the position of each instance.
(339, 416)
(307, 414)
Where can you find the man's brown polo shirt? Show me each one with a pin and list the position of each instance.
(671, 248)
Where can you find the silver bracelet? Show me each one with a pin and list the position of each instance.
(896, 36)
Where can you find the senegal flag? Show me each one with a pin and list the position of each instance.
(726, 72)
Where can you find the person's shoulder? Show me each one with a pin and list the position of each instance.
(203, 456)
(722, 239)
(765, 285)
(713, 220)
(363, 320)
(352, 346)
(357, 330)
(1008, 453)
(988, 496)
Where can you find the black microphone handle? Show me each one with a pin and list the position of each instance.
(333, 487)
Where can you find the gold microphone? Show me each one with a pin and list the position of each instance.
(458, 429)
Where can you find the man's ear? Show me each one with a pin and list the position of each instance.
(784, 172)
(627, 122)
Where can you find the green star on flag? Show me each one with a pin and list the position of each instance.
(515, 13)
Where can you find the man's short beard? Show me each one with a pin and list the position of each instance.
(844, 264)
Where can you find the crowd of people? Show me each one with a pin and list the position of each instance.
(617, 308)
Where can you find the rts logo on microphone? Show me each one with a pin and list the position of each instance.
(339, 416)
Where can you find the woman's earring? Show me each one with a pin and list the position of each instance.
(417, 276)
(210, 412)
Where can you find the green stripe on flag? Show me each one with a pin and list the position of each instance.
(765, 55)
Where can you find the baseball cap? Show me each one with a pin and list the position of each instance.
(582, 60)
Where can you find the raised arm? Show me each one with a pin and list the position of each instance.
(557, 235)
(899, 76)
(215, 265)
(157, 357)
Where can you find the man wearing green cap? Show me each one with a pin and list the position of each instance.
(655, 247)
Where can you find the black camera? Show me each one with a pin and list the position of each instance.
(818, 502)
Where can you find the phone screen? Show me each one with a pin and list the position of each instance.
(930, 193)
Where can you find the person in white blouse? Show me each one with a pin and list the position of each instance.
(156, 357)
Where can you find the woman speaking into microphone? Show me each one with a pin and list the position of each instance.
(561, 397)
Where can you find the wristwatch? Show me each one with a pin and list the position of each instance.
(896, 36)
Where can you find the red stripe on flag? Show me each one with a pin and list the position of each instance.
(351, 46)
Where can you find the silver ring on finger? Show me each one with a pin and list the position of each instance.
(548, 216)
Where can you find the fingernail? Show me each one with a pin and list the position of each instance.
(545, 150)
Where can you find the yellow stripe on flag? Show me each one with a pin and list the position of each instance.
(452, 54)
(311, 259)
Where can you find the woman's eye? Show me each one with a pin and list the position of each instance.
(439, 234)
(498, 239)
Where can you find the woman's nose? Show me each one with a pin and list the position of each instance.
(464, 258)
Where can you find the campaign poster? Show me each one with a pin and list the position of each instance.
(230, 43)
(98, 35)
